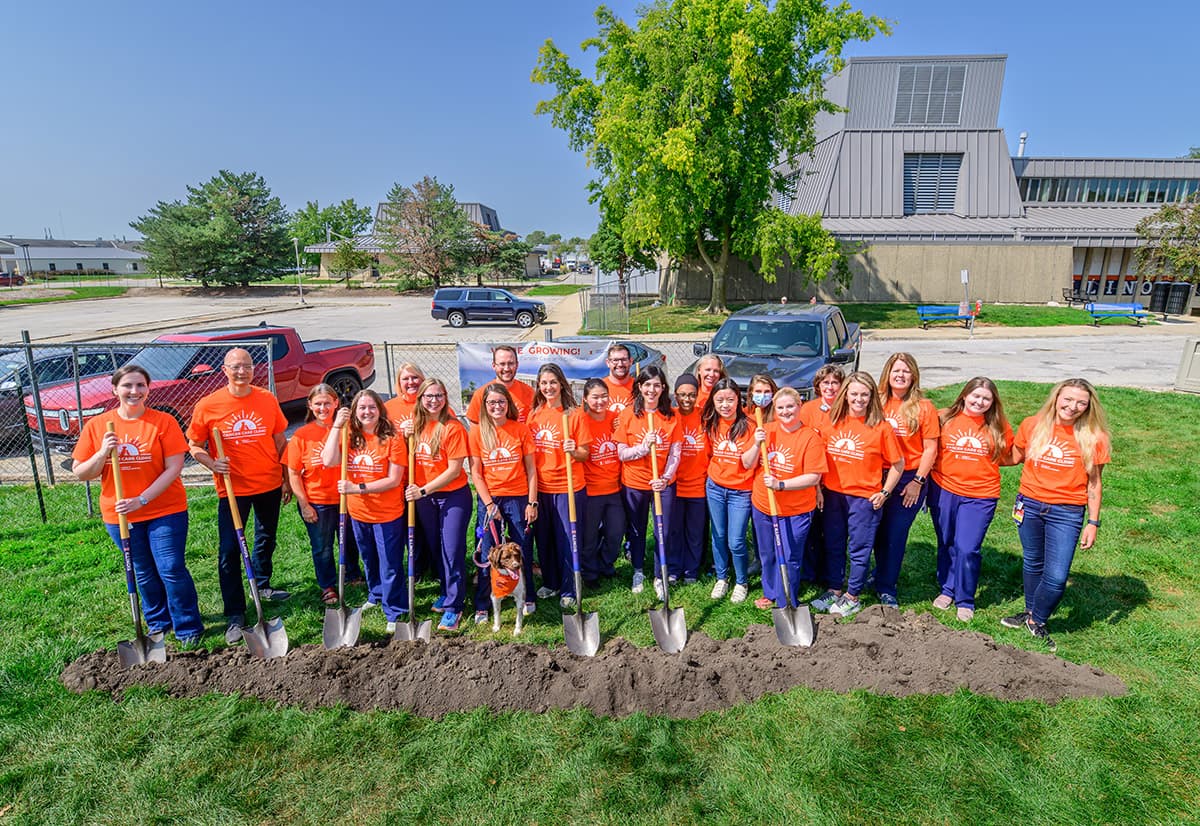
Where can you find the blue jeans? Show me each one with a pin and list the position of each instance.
(511, 528)
(229, 561)
(730, 513)
(168, 593)
(793, 535)
(891, 538)
(960, 523)
(321, 536)
(1049, 535)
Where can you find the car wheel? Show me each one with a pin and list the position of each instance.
(457, 319)
(525, 319)
(345, 385)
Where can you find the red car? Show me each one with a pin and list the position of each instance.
(8, 279)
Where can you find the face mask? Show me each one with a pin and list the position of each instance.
(761, 399)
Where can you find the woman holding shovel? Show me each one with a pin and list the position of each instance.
(375, 472)
(150, 451)
(730, 481)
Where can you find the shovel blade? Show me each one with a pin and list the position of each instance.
(142, 650)
(267, 639)
(414, 631)
(793, 626)
(341, 627)
(582, 633)
(669, 627)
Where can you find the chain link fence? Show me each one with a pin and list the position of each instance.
(47, 393)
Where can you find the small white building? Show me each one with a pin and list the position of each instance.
(53, 255)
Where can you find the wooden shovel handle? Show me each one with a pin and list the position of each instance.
(233, 508)
(117, 484)
(570, 470)
(766, 466)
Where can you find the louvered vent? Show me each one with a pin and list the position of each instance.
(930, 182)
(930, 94)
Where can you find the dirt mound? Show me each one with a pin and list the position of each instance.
(882, 651)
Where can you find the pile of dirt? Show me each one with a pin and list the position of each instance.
(882, 651)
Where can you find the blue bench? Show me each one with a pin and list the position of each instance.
(943, 312)
(1099, 312)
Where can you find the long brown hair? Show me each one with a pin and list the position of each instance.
(487, 428)
(910, 403)
(841, 406)
(565, 394)
(422, 417)
(1091, 428)
(384, 429)
(994, 419)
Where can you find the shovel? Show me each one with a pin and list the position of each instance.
(142, 648)
(265, 639)
(667, 623)
(793, 625)
(412, 630)
(582, 631)
(342, 625)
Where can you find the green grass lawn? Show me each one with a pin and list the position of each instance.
(645, 318)
(555, 289)
(76, 294)
(806, 756)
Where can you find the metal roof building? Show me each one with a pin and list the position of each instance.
(916, 170)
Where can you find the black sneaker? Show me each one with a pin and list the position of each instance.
(1038, 630)
(1016, 620)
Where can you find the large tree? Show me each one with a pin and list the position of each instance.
(689, 113)
(230, 230)
(496, 253)
(1172, 241)
(347, 260)
(425, 232)
(315, 224)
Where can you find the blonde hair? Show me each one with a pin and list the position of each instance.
(790, 393)
(994, 419)
(410, 367)
(422, 417)
(910, 403)
(841, 405)
(1091, 428)
(487, 428)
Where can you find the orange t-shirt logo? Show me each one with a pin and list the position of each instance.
(846, 446)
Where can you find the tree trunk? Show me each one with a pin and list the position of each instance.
(668, 281)
(717, 268)
(623, 287)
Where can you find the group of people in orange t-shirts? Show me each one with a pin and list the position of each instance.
(842, 476)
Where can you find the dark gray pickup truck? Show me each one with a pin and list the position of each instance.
(788, 342)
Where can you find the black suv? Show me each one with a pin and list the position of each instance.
(458, 305)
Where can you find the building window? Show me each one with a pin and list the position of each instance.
(53, 266)
(105, 265)
(783, 200)
(78, 265)
(1107, 190)
(930, 93)
(930, 182)
(134, 265)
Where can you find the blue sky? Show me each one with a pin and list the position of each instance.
(111, 107)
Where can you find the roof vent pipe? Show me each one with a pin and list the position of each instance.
(1021, 146)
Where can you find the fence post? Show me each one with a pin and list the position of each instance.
(387, 364)
(37, 406)
(549, 335)
(87, 485)
(37, 479)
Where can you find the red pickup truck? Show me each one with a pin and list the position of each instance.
(185, 367)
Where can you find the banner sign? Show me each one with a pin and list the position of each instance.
(579, 360)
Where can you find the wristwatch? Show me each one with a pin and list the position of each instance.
(143, 501)
(886, 493)
(920, 480)
(1095, 522)
(423, 493)
(779, 484)
(362, 487)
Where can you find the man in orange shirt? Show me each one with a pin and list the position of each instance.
(618, 381)
(504, 362)
(252, 428)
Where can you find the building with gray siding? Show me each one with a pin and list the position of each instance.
(917, 173)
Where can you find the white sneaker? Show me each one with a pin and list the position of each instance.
(658, 589)
(740, 592)
(823, 603)
(391, 628)
(368, 604)
(529, 609)
(846, 607)
(638, 580)
(720, 589)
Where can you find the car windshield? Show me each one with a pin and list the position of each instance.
(753, 337)
(169, 362)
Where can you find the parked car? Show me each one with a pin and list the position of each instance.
(185, 373)
(55, 369)
(788, 342)
(8, 279)
(458, 305)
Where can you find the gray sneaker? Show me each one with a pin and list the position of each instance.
(545, 592)
(639, 580)
(823, 603)
(274, 594)
(233, 631)
(889, 601)
(846, 607)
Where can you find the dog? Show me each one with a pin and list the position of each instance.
(507, 570)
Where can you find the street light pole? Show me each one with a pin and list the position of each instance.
(299, 282)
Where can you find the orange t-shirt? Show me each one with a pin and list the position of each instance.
(1057, 477)
(631, 430)
(814, 413)
(912, 445)
(400, 410)
(303, 455)
(522, 395)
(693, 456)
(858, 454)
(603, 465)
(789, 455)
(620, 396)
(142, 450)
(546, 425)
(725, 466)
(248, 428)
(504, 466)
(964, 463)
(373, 461)
(702, 394)
(453, 446)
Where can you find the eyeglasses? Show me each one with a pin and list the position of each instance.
(434, 397)
(618, 360)
(239, 368)
(496, 403)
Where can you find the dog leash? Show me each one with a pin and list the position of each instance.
(476, 557)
